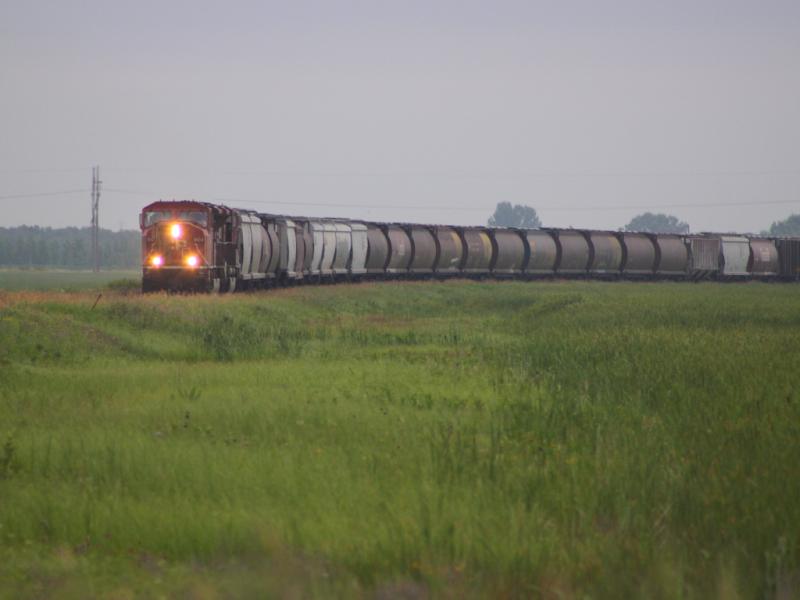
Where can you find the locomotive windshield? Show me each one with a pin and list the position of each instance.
(151, 217)
(154, 216)
(195, 216)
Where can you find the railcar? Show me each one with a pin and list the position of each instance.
(509, 252)
(704, 253)
(400, 249)
(672, 255)
(735, 257)
(574, 252)
(543, 253)
(450, 251)
(606, 254)
(478, 251)
(639, 256)
(423, 249)
(764, 261)
(378, 252)
(789, 258)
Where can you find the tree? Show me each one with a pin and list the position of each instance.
(789, 226)
(68, 247)
(518, 215)
(657, 223)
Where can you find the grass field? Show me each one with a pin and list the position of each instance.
(64, 280)
(560, 439)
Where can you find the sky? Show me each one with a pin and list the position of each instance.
(417, 111)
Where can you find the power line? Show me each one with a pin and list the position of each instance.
(338, 205)
(419, 207)
(480, 175)
(484, 209)
(56, 170)
(43, 194)
(132, 192)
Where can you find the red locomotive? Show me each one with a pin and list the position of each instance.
(187, 245)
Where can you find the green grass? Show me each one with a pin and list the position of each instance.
(559, 439)
(65, 280)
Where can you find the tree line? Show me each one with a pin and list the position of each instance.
(67, 248)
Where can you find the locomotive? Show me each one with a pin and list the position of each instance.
(197, 246)
(188, 246)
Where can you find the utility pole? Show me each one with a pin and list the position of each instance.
(96, 218)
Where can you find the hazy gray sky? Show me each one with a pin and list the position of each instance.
(422, 111)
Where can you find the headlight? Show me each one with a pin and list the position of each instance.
(192, 260)
(175, 231)
(157, 260)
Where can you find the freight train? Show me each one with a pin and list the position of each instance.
(196, 246)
